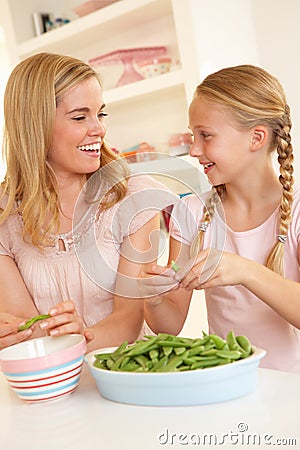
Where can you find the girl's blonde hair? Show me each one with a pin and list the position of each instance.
(255, 97)
(33, 91)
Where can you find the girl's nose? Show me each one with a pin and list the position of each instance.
(195, 150)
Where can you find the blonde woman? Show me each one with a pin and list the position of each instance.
(74, 226)
(240, 242)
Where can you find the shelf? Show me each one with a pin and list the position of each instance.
(179, 173)
(143, 87)
(97, 26)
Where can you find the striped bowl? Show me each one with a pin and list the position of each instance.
(44, 369)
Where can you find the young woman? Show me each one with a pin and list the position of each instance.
(240, 242)
(74, 226)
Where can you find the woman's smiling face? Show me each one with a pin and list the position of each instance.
(79, 130)
(221, 148)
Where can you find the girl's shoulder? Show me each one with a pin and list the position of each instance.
(297, 193)
(193, 203)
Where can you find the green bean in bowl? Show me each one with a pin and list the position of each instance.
(168, 353)
(167, 370)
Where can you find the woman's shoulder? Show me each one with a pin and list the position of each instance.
(137, 182)
(3, 199)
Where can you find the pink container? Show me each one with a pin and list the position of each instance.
(45, 368)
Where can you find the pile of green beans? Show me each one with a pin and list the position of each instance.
(168, 353)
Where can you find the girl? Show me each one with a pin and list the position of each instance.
(240, 242)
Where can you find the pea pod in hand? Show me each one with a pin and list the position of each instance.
(174, 266)
(30, 322)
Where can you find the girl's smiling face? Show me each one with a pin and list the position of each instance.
(79, 130)
(222, 149)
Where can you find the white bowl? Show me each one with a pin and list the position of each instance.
(194, 387)
(44, 368)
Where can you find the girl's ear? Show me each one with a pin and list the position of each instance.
(258, 138)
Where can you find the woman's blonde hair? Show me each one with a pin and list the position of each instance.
(255, 97)
(33, 91)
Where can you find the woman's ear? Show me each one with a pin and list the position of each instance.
(258, 138)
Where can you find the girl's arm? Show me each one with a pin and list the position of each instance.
(281, 294)
(126, 320)
(166, 313)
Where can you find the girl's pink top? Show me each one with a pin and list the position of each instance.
(86, 271)
(235, 307)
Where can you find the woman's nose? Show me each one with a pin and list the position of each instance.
(98, 128)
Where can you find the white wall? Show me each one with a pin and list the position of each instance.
(278, 42)
(4, 72)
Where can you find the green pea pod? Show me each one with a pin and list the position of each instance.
(161, 363)
(231, 341)
(100, 364)
(206, 363)
(167, 350)
(153, 354)
(245, 344)
(118, 352)
(174, 266)
(179, 350)
(142, 360)
(196, 350)
(142, 347)
(30, 322)
(218, 342)
(117, 364)
(229, 354)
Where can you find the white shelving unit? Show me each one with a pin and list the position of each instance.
(149, 110)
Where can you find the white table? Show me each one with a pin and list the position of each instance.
(84, 420)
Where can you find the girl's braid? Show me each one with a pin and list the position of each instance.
(285, 160)
(212, 202)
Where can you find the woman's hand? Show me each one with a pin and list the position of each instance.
(212, 268)
(65, 320)
(9, 333)
(154, 281)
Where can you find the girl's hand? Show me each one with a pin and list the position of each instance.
(155, 280)
(9, 333)
(64, 320)
(212, 268)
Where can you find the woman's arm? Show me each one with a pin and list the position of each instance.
(166, 313)
(126, 320)
(14, 296)
(16, 300)
(9, 333)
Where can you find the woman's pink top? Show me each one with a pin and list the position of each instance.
(86, 271)
(235, 307)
